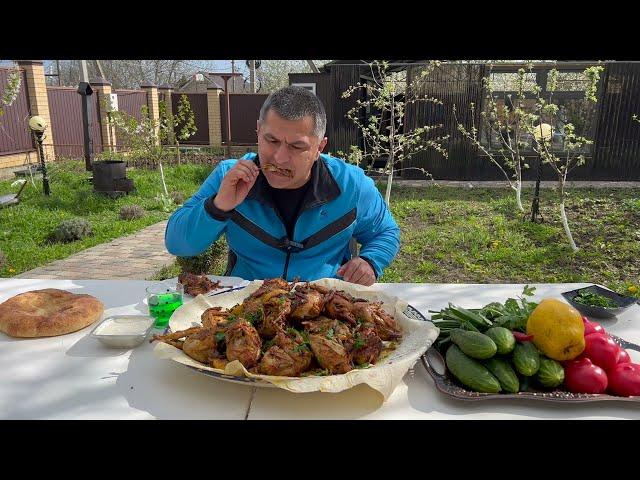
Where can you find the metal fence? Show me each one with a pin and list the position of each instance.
(245, 109)
(65, 109)
(15, 136)
(615, 154)
(199, 106)
(131, 102)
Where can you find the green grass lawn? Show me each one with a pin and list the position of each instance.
(476, 236)
(449, 234)
(24, 227)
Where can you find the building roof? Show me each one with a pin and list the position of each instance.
(213, 80)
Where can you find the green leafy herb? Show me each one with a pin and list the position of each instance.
(293, 332)
(268, 344)
(594, 300)
(512, 314)
(254, 317)
(219, 336)
(329, 334)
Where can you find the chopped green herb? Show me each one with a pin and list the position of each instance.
(292, 332)
(254, 317)
(219, 336)
(594, 300)
(359, 343)
(268, 344)
(329, 333)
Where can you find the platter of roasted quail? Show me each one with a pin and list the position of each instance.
(291, 330)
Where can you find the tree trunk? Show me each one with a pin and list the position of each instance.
(387, 194)
(390, 160)
(164, 185)
(519, 195)
(565, 223)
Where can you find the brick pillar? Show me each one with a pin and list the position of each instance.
(38, 101)
(167, 91)
(214, 116)
(102, 89)
(152, 101)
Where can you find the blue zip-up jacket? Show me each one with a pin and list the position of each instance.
(342, 202)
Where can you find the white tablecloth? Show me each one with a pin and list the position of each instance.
(74, 377)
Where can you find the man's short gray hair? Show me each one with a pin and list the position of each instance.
(294, 103)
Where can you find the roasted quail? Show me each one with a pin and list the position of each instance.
(197, 284)
(373, 314)
(339, 331)
(274, 318)
(339, 305)
(330, 354)
(366, 346)
(243, 343)
(308, 301)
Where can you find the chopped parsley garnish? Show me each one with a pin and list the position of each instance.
(359, 343)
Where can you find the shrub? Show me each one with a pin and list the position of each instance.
(72, 230)
(131, 212)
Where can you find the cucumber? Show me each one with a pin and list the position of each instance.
(550, 374)
(474, 344)
(503, 371)
(525, 384)
(526, 359)
(503, 338)
(470, 372)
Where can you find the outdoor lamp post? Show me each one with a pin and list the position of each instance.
(38, 126)
(542, 134)
(226, 77)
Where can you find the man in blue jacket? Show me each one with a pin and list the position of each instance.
(289, 211)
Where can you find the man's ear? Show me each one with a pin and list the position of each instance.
(322, 144)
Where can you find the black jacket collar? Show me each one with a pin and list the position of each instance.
(323, 188)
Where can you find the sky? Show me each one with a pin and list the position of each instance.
(208, 65)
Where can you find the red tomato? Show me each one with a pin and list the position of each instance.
(591, 327)
(601, 350)
(624, 379)
(582, 376)
(623, 356)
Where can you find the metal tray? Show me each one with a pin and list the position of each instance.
(448, 385)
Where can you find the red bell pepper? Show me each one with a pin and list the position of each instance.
(522, 337)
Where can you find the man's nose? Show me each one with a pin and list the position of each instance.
(281, 155)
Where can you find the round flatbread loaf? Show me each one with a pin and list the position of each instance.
(48, 312)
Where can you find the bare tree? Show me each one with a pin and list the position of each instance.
(10, 90)
(574, 148)
(274, 74)
(383, 128)
(129, 73)
(508, 125)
